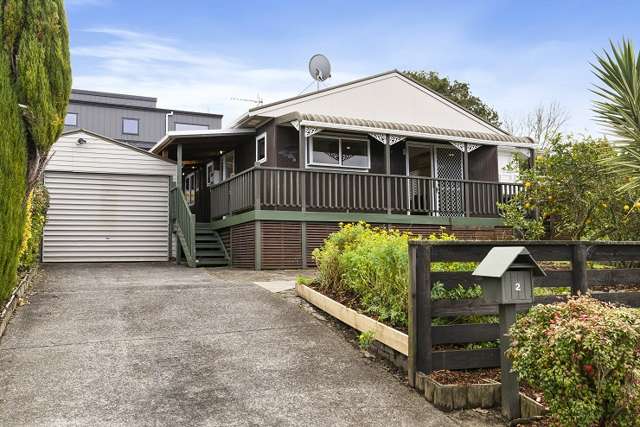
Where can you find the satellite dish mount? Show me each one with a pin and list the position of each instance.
(319, 68)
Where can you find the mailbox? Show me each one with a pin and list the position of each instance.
(507, 274)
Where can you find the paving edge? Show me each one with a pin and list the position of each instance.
(18, 292)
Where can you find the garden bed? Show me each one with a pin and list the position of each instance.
(454, 390)
(387, 335)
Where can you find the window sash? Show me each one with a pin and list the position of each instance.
(68, 122)
(228, 162)
(261, 140)
(130, 121)
(341, 140)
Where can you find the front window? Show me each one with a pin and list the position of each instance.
(261, 148)
(71, 119)
(339, 151)
(228, 165)
(190, 126)
(130, 126)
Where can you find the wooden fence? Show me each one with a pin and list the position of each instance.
(324, 190)
(424, 336)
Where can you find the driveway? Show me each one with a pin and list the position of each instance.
(159, 344)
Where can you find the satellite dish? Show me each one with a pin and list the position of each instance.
(319, 67)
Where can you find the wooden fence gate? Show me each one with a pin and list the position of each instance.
(573, 268)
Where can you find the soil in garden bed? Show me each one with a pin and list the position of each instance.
(479, 376)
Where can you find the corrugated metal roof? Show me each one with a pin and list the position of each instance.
(427, 130)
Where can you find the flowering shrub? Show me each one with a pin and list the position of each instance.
(37, 205)
(585, 356)
(373, 264)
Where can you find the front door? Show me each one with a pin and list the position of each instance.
(442, 196)
(449, 187)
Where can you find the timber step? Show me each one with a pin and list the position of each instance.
(210, 250)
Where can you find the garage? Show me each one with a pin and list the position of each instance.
(108, 201)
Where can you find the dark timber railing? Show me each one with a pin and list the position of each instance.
(185, 223)
(426, 340)
(341, 191)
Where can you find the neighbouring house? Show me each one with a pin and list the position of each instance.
(132, 119)
(383, 149)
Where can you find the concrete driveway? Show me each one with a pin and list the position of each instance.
(158, 344)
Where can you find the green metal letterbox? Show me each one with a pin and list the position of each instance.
(507, 274)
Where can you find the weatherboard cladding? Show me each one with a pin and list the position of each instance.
(106, 217)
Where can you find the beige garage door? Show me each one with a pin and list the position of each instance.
(106, 217)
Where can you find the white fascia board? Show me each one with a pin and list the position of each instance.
(171, 135)
(408, 134)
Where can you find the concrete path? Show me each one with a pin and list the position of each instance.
(157, 344)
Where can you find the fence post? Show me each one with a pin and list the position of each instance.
(420, 359)
(579, 285)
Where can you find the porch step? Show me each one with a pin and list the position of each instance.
(210, 250)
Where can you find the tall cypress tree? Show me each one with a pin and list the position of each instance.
(35, 83)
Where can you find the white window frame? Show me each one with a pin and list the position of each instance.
(210, 172)
(71, 113)
(340, 138)
(224, 164)
(133, 119)
(258, 138)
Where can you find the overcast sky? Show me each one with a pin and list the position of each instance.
(197, 54)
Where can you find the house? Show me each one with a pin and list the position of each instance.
(132, 119)
(383, 149)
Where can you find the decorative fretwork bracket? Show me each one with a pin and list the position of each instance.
(309, 131)
(394, 139)
(461, 146)
(380, 137)
(296, 124)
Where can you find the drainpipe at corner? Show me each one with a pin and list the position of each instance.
(166, 121)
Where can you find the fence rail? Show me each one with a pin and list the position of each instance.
(424, 335)
(322, 190)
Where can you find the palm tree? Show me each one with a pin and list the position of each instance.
(618, 107)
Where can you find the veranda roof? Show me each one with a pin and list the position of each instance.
(405, 129)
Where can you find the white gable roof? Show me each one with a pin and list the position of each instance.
(390, 97)
(99, 154)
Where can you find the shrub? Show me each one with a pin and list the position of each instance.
(585, 356)
(37, 205)
(372, 264)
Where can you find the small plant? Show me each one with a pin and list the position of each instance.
(365, 339)
(438, 291)
(585, 356)
(304, 280)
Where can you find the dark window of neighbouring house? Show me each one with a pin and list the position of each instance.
(130, 126)
(71, 119)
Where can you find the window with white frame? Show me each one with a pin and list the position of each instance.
(190, 126)
(228, 165)
(130, 126)
(339, 151)
(261, 148)
(213, 173)
(190, 188)
(71, 119)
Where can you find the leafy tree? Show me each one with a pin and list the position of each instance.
(35, 83)
(573, 190)
(456, 91)
(618, 106)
